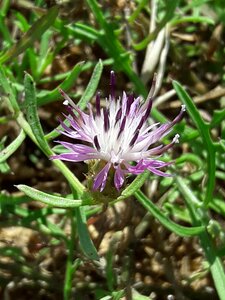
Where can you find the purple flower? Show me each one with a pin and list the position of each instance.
(116, 135)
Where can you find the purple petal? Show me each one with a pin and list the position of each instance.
(164, 129)
(118, 115)
(78, 148)
(124, 103)
(151, 165)
(77, 125)
(73, 134)
(68, 101)
(140, 123)
(72, 116)
(155, 163)
(119, 177)
(148, 110)
(122, 126)
(161, 149)
(64, 126)
(134, 107)
(159, 133)
(101, 177)
(134, 138)
(130, 100)
(67, 98)
(138, 169)
(159, 173)
(74, 157)
(81, 131)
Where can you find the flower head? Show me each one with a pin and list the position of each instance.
(117, 135)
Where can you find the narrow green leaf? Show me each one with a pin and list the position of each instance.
(194, 4)
(45, 56)
(192, 109)
(218, 205)
(8, 90)
(21, 22)
(62, 76)
(155, 211)
(83, 31)
(222, 144)
(47, 198)
(191, 200)
(18, 211)
(30, 106)
(4, 168)
(32, 57)
(4, 30)
(94, 5)
(8, 200)
(109, 270)
(215, 264)
(193, 19)
(193, 158)
(5, 5)
(177, 211)
(47, 227)
(44, 46)
(92, 86)
(134, 186)
(205, 135)
(85, 241)
(65, 85)
(137, 11)
(14, 252)
(10, 149)
(218, 117)
(56, 77)
(41, 213)
(54, 228)
(34, 33)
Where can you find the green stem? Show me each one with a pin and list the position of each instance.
(70, 267)
(10, 149)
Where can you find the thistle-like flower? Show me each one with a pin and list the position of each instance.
(118, 135)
